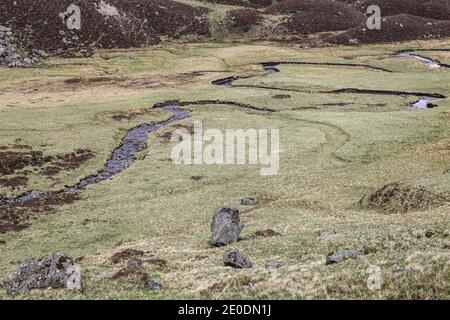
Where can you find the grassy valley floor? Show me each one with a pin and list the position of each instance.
(335, 148)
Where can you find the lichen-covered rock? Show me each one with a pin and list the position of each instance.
(236, 259)
(54, 271)
(225, 227)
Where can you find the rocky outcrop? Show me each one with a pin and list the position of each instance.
(9, 55)
(57, 270)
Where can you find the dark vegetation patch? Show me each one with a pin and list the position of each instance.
(434, 9)
(16, 215)
(154, 81)
(198, 178)
(386, 92)
(12, 161)
(401, 197)
(243, 3)
(167, 136)
(242, 20)
(126, 254)
(69, 161)
(14, 182)
(336, 104)
(267, 233)
(130, 23)
(309, 16)
(281, 96)
(402, 27)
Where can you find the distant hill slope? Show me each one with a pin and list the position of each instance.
(134, 23)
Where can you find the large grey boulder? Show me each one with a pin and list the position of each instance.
(54, 271)
(236, 259)
(226, 226)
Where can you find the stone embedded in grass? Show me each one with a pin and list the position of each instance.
(340, 255)
(225, 227)
(54, 271)
(248, 201)
(236, 259)
(272, 264)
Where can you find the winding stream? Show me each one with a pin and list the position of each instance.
(433, 64)
(134, 142)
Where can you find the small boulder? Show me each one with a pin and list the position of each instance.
(54, 271)
(248, 201)
(340, 255)
(225, 227)
(236, 259)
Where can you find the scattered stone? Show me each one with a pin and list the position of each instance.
(135, 272)
(399, 270)
(225, 227)
(353, 42)
(340, 255)
(126, 254)
(96, 56)
(248, 201)
(39, 53)
(273, 264)
(267, 233)
(236, 259)
(129, 55)
(54, 271)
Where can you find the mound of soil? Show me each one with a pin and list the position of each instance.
(434, 9)
(242, 20)
(104, 24)
(401, 27)
(14, 182)
(400, 197)
(309, 16)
